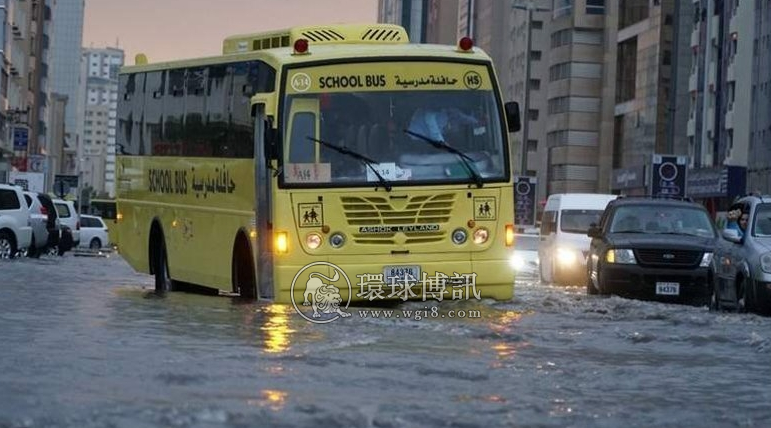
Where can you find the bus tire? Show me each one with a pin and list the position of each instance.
(244, 280)
(163, 282)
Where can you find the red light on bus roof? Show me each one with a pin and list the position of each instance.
(300, 46)
(466, 43)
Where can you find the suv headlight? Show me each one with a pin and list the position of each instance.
(765, 262)
(706, 260)
(620, 256)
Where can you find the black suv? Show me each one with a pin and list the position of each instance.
(652, 248)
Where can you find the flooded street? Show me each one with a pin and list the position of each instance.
(85, 343)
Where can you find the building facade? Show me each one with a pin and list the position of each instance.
(101, 103)
(410, 14)
(759, 161)
(67, 80)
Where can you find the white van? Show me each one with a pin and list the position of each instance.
(564, 244)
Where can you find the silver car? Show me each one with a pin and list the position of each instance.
(742, 262)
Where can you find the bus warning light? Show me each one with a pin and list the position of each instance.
(466, 44)
(301, 46)
(509, 235)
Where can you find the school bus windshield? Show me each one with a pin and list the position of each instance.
(396, 115)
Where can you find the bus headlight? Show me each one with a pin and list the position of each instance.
(481, 235)
(337, 240)
(509, 235)
(313, 241)
(459, 236)
(281, 242)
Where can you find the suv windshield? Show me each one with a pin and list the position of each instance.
(663, 219)
(578, 221)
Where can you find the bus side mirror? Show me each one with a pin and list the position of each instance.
(512, 116)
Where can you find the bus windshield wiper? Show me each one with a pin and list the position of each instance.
(464, 158)
(358, 156)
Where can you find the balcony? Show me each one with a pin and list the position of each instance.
(695, 36)
(731, 72)
(729, 117)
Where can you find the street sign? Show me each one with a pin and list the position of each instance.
(66, 185)
(524, 201)
(668, 176)
(29, 181)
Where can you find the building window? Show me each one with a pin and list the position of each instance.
(626, 70)
(533, 114)
(632, 11)
(535, 84)
(595, 7)
(537, 25)
(535, 55)
(561, 8)
(561, 38)
(532, 145)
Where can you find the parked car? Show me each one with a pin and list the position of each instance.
(15, 228)
(659, 249)
(742, 268)
(69, 219)
(44, 221)
(94, 233)
(524, 259)
(564, 244)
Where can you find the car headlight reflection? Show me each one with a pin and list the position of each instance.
(706, 260)
(765, 262)
(620, 256)
(517, 262)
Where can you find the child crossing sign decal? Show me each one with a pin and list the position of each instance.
(310, 214)
(484, 208)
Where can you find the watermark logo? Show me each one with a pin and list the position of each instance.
(323, 297)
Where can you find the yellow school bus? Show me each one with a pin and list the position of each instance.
(341, 144)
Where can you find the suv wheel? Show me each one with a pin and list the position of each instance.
(95, 244)
(7, 246)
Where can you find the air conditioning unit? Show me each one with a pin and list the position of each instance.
(16, 31)
(13, 71)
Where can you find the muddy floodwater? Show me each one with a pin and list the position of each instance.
(85, 343)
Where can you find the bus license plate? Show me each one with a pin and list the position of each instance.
(400, 274)
(668, 288)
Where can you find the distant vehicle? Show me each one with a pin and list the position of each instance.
(524, 260)
(69, 218)
(564, 244)
(93, 232)
(656, 249)
(15, 227)
(45, 223)
(108, 211)
(742, 271)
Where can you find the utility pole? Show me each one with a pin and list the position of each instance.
(528, 6)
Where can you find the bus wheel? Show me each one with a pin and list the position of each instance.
(162, 277)
(243, 276)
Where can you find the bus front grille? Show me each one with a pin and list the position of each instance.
(418, 210)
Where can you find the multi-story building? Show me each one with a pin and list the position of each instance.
(515, 74)
(67, 80)
(757, 17)
(39, 72)
(410, 14)
(441, 15)
(721, 103)
(579, 95)
(101, 103)
(16, 100)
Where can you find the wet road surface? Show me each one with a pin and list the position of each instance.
(85, 343)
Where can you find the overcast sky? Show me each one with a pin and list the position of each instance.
(174, 29)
